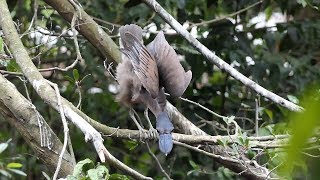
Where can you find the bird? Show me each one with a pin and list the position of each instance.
(144, 75)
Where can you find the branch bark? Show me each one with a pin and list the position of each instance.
(46, 93)
(221, 64)
(23, 116)
(180, 122)
(89, 29)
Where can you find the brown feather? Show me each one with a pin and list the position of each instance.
(172, 75)
(144, 64)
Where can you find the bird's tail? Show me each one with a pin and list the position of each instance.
(165, 127)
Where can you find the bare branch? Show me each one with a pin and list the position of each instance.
(158, 163)
(65, 128)
(224, 17)
(44, 90)
(218, 61)
(23, 116)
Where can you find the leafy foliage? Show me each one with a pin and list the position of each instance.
(281, 56)
(8, 167)
(85, 170)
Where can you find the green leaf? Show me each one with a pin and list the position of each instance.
(46, 175)
(118, 177)
(3, 146)
(75, 74)
(79, 167)
(71, 177)
(269, 113)
(47, 12)
(268, 12)
(14, 165)
(302, 2)
(194, 165)
(13, 66)
(101, 172)
(93, 174)
(5, 173)
(17, 171)
(190, 172)
(303, 125)
(70, 79)
(1, 45)
(293, 99)
(132, 145)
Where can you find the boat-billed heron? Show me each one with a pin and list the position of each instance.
(144, 75)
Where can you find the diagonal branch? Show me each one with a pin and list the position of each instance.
(23, 116)
(218, 61)
(225, 17)
(101, 41)
(44, 90)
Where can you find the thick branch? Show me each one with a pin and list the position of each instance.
(23, 116)
(178, 119)
(44, 90)
(88, 28)
(218, 61)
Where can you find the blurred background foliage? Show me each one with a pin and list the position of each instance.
(275, 42)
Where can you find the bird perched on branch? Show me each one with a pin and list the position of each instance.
(144, 75)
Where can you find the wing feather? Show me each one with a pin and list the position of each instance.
(145, 66)
(172, 75)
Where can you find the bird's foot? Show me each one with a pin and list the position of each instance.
(153, 133)
(143, 135)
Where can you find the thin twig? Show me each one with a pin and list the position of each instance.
(221, 64)
(257, 117)
(225, 17)
(65, 128)
(206, 153)
(157, 161)
(34, 17)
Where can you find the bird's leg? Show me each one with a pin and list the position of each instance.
(142, 132)
(153, 133)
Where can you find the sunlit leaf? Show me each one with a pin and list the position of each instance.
(70, 79)
(293, 99)
(268, 12)
(3, 146)
(75, 74)
(47, 12)
(46, 175)
(194, 165)
(269, 113)
(17, 171)
(101, 172)
(79, 167)
(303, 125)
(302, 2)
(13, 66)
(14, 165)
(1, 45)
(5, 173)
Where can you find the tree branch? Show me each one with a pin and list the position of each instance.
(44, 90)
(23, 116)
(218, 61)
(180, 122)
(89, 29)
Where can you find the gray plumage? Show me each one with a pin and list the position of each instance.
(145, 73)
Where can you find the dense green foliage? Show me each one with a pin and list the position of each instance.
(283, 57)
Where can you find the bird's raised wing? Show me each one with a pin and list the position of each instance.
(143, 62)
(172, 75)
